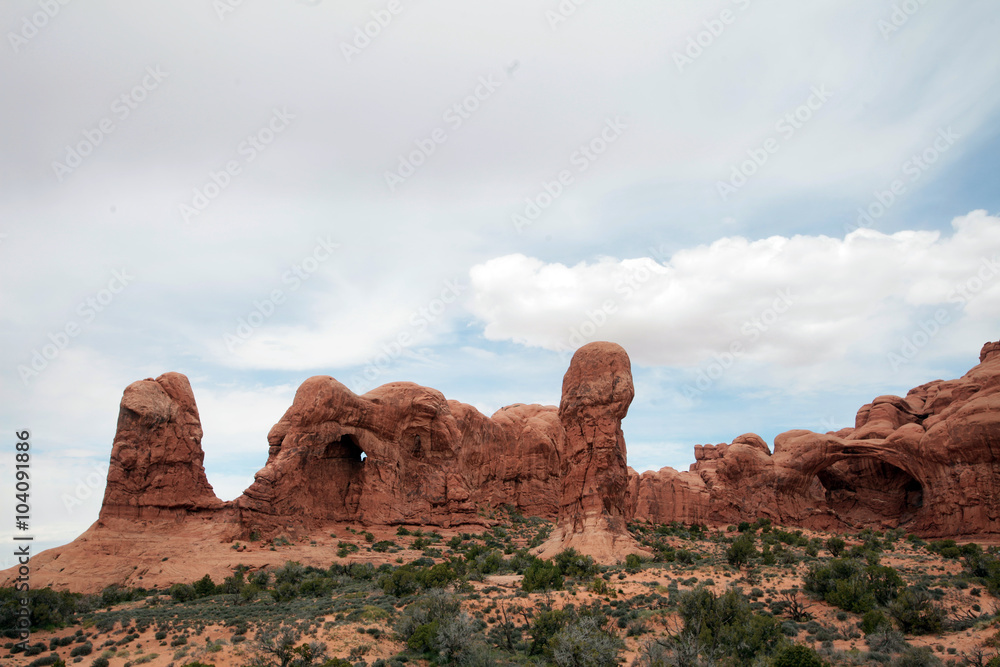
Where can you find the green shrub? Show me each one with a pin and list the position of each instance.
(885, 640)
(797, 655)
(541, 575)
(182, 592)
(853, 586)
(585, 643)
(81, 650)
(913, 656)
(52, 660)
(915, 613)
(741, 550)
(204, 587)
(574, 564)
(835, 546)
(872, 620)
(724, 625)
(401, 582)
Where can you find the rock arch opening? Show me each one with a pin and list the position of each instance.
(867, 490)
(346, 448)
(341, 476)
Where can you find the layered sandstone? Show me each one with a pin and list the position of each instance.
(596, 394)
(400, 454)
(929, 462)
(156, 466)
(404, 454)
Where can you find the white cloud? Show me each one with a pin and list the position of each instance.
(796, 301)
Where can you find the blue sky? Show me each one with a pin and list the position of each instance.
(258, 193)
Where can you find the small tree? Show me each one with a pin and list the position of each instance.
(276, 648)
(797, 610)
(916, 613)
(797, 655)
(741, 550)
(182, 592)
(584, 643)
(204, 587)
(835, 546)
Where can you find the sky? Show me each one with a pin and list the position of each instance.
(780, 210)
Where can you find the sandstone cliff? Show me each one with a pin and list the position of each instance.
(403, 454)
(927, 462)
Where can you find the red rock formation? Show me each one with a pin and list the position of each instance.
(402, 453)
(156, 460)
(597, 391)
(928, 462)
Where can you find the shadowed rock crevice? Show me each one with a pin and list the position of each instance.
(867, 492)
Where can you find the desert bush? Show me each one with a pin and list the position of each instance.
(885, 640)
(48, 609)
(685, 557)
(741, 550)
(204, 587)
(574, 564)
(48, 660)
(422, 621)
(985, 566)
(724, 627)
(915, 613)
(853, 586)
(835, 546)
(913, 656)
(797, 655)
(541, 575)
(182, 592)
(872, 620)
(81, 650)
(277, 648)
(584, 643)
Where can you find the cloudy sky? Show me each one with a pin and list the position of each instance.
(780, 210)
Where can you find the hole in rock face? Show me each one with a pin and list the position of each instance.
(335, 479)
(345, 448)
(868, 490)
